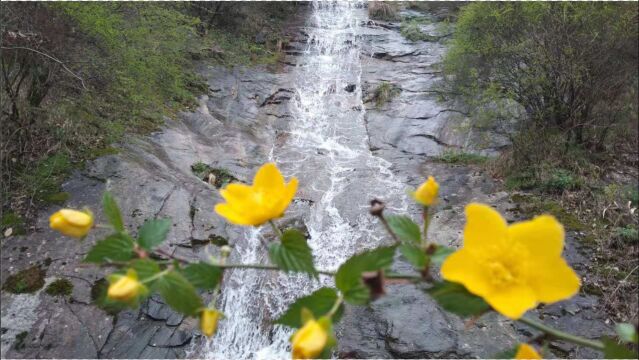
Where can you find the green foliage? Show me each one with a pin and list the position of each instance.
(349, 275)
(12, 220)
(319, 303)
(614, 350)
(382, 10)
(507, 46)
(153, 232)
(43, 181)
(115, 247)
(221, 177)
(412, 31)
(202, 275)
(414, 255)
(145, 268)
(25, 281)
(112, 211)
(627, 333)
(455, 298)
(178, 293)
(561, 180)
(440, 254)
(627, 233)
(384, 93)
(293, 254)
(460, 157)
(60, 287)
(405, 228)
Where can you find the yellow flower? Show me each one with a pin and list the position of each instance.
(126, 288)
(526, 351)
(72, 222)
(208, 321)
(309, 341)
(426, 193)
(266, 199)
(512, 267)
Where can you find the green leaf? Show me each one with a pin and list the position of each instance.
(627, 333)
(613, 350)
(293, 253)
(202, 275)
(506, 354)
(112, 211)
(404, 228)
(320, 302)
(455, 298)
(153, 233)
(441, 253)
(178, 293)
(116, 247)
(145, 268)
(349, 275)
(414, 255)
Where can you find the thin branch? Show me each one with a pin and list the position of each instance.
(50, 57)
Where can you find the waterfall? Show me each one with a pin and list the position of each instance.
(327, 149)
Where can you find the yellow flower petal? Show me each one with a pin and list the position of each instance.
(72, 222)
(232, 216)
(484, 226)
(265, 200)
(463, 267)
(512, 301)
(553, 280)
(269, 179)
(309, 341)
(526, 351)
(543, 236)
(208, 321)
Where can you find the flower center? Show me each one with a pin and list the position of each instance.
(500, 274)
(509, 266)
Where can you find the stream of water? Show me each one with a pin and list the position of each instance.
(327, 149)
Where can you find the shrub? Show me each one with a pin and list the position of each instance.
(379, 10)
(385, 92)
(569, 65)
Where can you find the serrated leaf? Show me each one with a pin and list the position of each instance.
(178, 293)
(112, 211)
(320, 302)
(455, 298)
(414, 255)
(153, 232)
(115, 247)
(145, 268)
(441, 253)
(293, 253)
(202, 275)
(613, 350)
(627, 332)
(405, 229)
(349, 275)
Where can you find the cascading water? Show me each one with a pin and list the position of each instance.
(327, 149)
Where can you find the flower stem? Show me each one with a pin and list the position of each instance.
(275, 229)
(323, 272)
(335, 307)
(558, 334)
(158, 275)
(388, 228)
(425, 235)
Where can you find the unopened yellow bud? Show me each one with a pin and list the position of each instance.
(72, 222)
(208, 321)
(125, 288)
(427, 192)
(309, 341)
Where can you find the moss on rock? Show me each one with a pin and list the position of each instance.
(26, 281)
(60, 287)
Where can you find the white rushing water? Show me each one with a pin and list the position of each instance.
(327, 149)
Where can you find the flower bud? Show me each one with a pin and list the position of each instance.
(72, 222)
(126, 288)
(377, 207)
(427, 192)
(208, 321)
(225, 251)
(309, 341)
